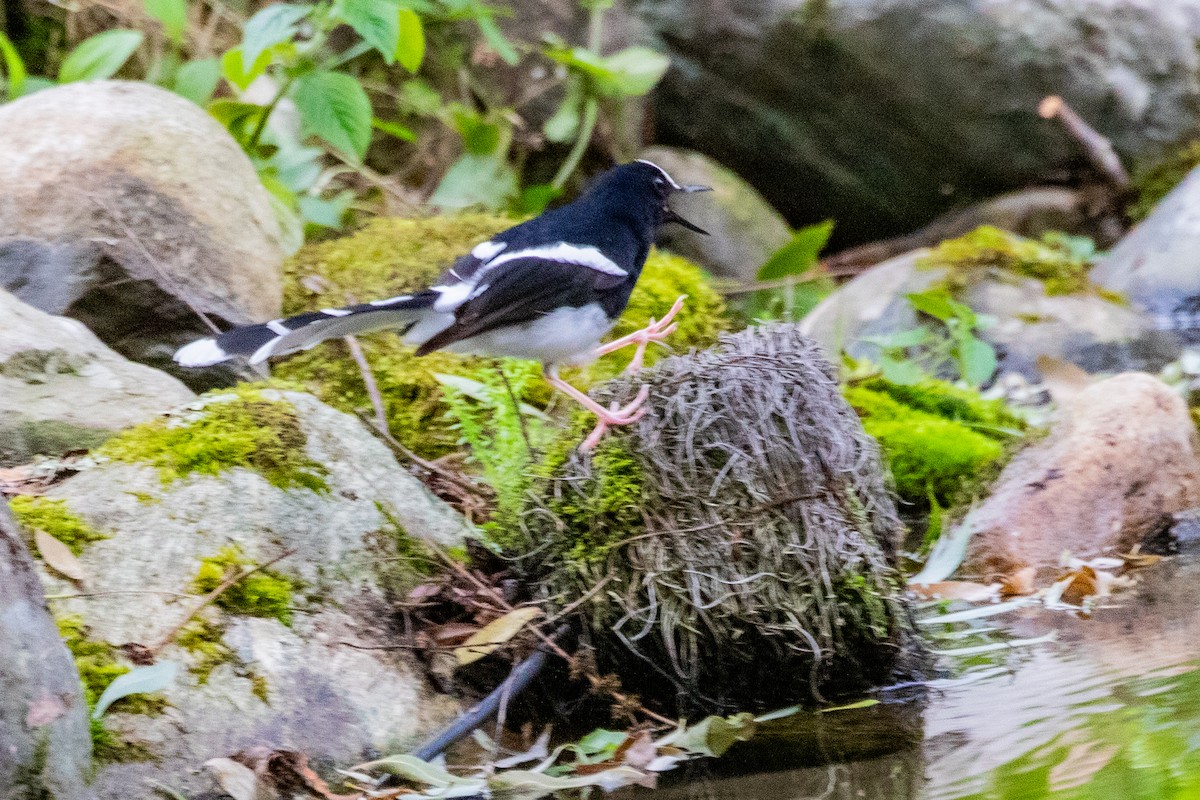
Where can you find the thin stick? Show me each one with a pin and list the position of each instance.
(225, 586)
(425, 464)
(152, 261)
(368, 377)
(122, 591)
(595, 680)
(1096, 146)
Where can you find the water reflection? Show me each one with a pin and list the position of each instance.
(1110, 710)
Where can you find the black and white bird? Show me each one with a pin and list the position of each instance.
(547, 289)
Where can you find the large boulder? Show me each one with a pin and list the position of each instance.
(297, 657)
(44, 746)
(62, 389)
(129, 208)
(1120, 459)
(743, 229)
(884, 113)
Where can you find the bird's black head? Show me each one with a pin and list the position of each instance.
(642, 190)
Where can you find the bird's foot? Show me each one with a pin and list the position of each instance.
(614, 416)
(656, 331)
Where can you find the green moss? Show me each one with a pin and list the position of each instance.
(931, 454)
(1152, 182)
(1052, 262)
(98, 667)
(205, 641)
(403, 561)
(259, 687)
(237, 427)
(989, 417)
(53, 517)
(262, 594)
(393, 256)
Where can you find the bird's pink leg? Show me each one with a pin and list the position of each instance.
(605, 417)
(654, 332)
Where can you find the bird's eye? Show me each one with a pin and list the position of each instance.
(659, 182)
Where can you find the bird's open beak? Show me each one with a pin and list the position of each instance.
(678, 220)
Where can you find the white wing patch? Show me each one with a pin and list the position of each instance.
(485, 251)
(564, 253)
(665, 174)
(452, 296)
(391, 300)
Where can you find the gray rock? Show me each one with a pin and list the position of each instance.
(62, 389)
(743, 228)
(1085, 329)
(323, 696)
(883, 114)
(124, 203)
(45, 746)
(1157, 265)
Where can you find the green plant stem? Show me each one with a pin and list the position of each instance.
(591, 109)
(262, 122)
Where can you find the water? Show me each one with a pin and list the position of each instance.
(1111, 709)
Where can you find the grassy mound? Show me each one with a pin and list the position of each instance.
(742, 530)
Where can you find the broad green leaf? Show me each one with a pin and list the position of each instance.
(99, 56)
(936, 303)
(14, 67)
(139, 680)
(328, 212)
(233, 67)
(172, 14)
(274, 24)
(239, 118)
(800, 254)
(636, 70)
(600, 742)
(197, 80)
(410, 49)
(900, 370)
(414, 769)
(376, 21)
(712, 736)
(534, 199)
(335, 107)
(394, 129)
(977, 360)
(563, 126)
(479, 136)
(475, 180)
(525, 783)
(495, 38)
(490, 637)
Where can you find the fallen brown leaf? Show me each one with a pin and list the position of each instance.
(58, 556)
(1018, 583)
(1082, 584)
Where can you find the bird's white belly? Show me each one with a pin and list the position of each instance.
(564, 336)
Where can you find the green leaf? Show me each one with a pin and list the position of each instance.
(495, 38)
(410, 49)
(476, 180)
(480, 393)
(274, 24)
(139, 680)
(99, 56)
(335, 107)
(600, 742)
(197, 80)
(233, 67)
(899, 340)
(636, 70)
(172, 14)
(712, 736)
(414, 769)
(800, 254)
(534, 199)
(900, 370)
(977, 360)
(376, 21)
(563, 125)
(867, 703)
(480, 136)
(238, 118)
(394, 129)
(936, 303)
(328, 212)
(14, 67)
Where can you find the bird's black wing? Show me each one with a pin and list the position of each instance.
(524, 289)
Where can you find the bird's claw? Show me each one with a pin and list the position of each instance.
(615, 416)
(656, 331)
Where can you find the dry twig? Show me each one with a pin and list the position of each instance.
(1096, 146)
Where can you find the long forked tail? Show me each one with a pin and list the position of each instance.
(279, 336)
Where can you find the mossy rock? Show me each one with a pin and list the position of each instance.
(742, 529)
(229, 428)
(1155, 180)
(941, 442)
(388, 257)
(1050, 261)
(53, 517)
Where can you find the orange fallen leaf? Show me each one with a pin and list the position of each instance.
(1082, 584)
(1019, 583)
